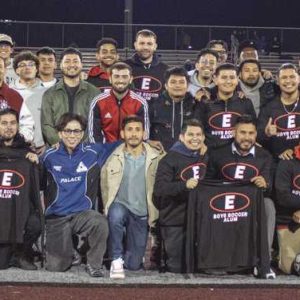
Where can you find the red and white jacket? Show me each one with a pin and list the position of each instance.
(107, 113)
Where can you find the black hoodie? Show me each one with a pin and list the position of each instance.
(148, 79)
(170, 192)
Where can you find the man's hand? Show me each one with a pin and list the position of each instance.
(156, 144)
(241, 94)
(32, 157)
(270, 129)
(203, 149)
(287, 154)
(266, 74)
(191, 183)
(259, 181)
(55, 146)
(83, 76)
(296, 216)
(202, 94)
(40, 150)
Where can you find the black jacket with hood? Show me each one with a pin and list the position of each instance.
(170, 192)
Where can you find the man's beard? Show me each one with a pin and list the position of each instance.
(251, 84)
(72, 76)
(120, 90)
(240, 149)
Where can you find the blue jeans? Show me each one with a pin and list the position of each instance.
(121, 220)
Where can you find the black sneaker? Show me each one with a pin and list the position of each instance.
(94, 272)
(76, 258)
(25, 264)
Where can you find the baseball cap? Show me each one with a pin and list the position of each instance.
(4, 38)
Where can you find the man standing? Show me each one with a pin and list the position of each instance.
(71, 94)
(221, 48)
(127, 181)
(172, 108)
(109, 109)
(148, 70)
(279, 120)
(47, 66)
(20, 208)
(202, 77)
(179, 172)
(254, 86)
(220, 113)
(106, 55)
(6, 50)
(72, 187)
(9, 98)
(30, 87)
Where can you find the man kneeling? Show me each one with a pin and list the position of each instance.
(127, 181)
(73, 171)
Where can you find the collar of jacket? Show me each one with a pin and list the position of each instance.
(18, 85)
(219, 101)
(151, 153)
(61, 86)
(179, 147)
(3, 88)
(98, 71)
(62, 148)
(136, 60)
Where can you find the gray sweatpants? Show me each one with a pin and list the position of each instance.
(89, 224)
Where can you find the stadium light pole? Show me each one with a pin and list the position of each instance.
(128, 12)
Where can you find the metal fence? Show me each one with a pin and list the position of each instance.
(173, 37)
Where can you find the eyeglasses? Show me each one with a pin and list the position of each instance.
(23, 65)
(69, 132)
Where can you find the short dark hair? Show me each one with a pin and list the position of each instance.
(25, 55)
(246, 119)
(69, 117)
(286, 66)
(207, 51)
(130, 119)
(246, 44)
(146, 33)
(9, 111)
(177, 71)
(106, 41)
(120, 66)
(212, 43)
(225, 66)
(46, 50)
(71, 50)
(249, 61)
(191, 122)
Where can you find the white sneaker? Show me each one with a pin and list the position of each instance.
(117, 269)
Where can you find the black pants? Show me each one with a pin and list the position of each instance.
(89, 224)
(173, 238)
(32, 232)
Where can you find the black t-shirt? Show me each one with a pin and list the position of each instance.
(71, 91)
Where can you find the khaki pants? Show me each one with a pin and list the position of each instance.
(289, 247)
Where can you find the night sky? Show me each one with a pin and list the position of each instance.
(209, 12)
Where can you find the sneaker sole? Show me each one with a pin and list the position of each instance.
(117, 276)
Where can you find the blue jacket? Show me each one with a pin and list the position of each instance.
(73, 179)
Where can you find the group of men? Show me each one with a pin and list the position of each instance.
(154, 133)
